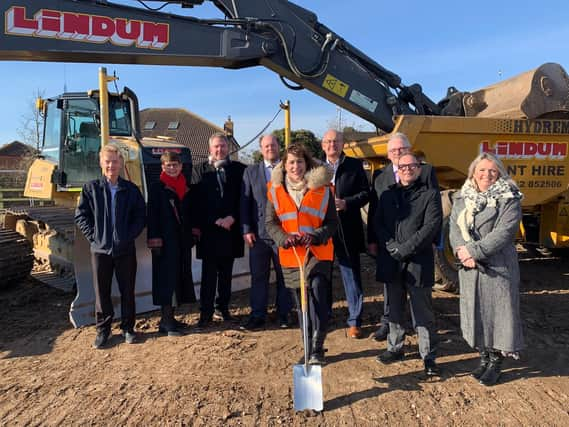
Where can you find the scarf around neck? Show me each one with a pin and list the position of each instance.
(178, 184)
(476, 201)
(296, 190)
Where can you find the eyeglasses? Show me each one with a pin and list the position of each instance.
(409, 167)
(399, 150)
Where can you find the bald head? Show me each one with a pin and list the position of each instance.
(332, 145)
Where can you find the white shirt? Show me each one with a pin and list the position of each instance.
(269, 169)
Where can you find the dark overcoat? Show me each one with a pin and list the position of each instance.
(351, 184)
(170, 220)
(211, 204)
(408, 218)
(385, 178)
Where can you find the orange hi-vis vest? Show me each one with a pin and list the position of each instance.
(304, 219)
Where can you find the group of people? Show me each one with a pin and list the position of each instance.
(295, 212)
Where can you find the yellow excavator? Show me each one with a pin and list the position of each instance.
(523, 120)
(76, 126)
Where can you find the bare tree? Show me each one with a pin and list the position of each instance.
(31, 122)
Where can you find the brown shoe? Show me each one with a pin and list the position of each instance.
(355, 332)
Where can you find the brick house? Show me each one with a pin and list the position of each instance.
(185, 128)
(15, 159)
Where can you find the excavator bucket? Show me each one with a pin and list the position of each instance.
(539, 93)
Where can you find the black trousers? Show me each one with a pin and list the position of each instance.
(124, 269)
(318, 305)
(216, 276)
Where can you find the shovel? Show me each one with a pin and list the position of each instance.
(307, 379)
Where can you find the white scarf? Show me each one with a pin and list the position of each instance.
(476, 201)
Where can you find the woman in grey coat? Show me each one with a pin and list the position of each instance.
(484, 221)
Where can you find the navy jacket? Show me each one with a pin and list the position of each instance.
(254, 201)
(93, 216)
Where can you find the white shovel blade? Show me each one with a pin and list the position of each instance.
(307, 388)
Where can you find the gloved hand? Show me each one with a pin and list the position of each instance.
(305, 239)
(291, 240)
(395, 253)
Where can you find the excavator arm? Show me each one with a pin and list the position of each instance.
(276, 34)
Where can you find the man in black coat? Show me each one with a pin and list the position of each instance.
(217, 186)
(262, 249)
(351, 194)
(111, 215)
(397, 146)
(409, 218)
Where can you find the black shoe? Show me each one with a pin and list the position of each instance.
(129, 336)
(254, 323)
(388, 357)
(170, 330)
(101, 339)
(382, 332)
(180, 325)
(223, 315)
(493, 371)
(431, 368)
(204, 322)
(484, 360)
(284, 323)
(317, 358)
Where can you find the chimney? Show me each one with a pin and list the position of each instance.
(228, 127)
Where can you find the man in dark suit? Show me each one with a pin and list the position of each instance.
(351, 192)
(397, 146)
(262, 249)
(217, 186)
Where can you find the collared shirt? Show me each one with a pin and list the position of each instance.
(269, 169)
(334, 168)
(395, 169)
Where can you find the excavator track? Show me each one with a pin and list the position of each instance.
(16, 258)
(51, 232)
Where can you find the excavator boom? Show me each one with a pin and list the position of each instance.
(276, 34)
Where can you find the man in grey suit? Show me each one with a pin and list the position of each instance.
(397, 146)
(262, 249)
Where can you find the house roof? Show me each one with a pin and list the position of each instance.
(183, 126)
(16, 149)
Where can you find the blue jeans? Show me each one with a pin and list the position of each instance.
(351, 277)
(260, 257)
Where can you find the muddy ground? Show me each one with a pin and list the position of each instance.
(50, 375)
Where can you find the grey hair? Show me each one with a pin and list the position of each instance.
(401, 136)
(502, 171)
(219, 135)
(265, 135)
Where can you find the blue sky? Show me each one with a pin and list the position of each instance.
(469, 45)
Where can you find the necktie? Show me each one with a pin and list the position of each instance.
(221, 179)
(269, 171)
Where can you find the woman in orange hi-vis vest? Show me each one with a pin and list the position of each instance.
(301, 214)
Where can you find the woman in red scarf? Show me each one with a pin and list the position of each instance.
(170, 239)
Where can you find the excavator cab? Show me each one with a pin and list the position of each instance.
(72, 137)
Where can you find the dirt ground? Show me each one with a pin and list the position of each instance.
(50, 375)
